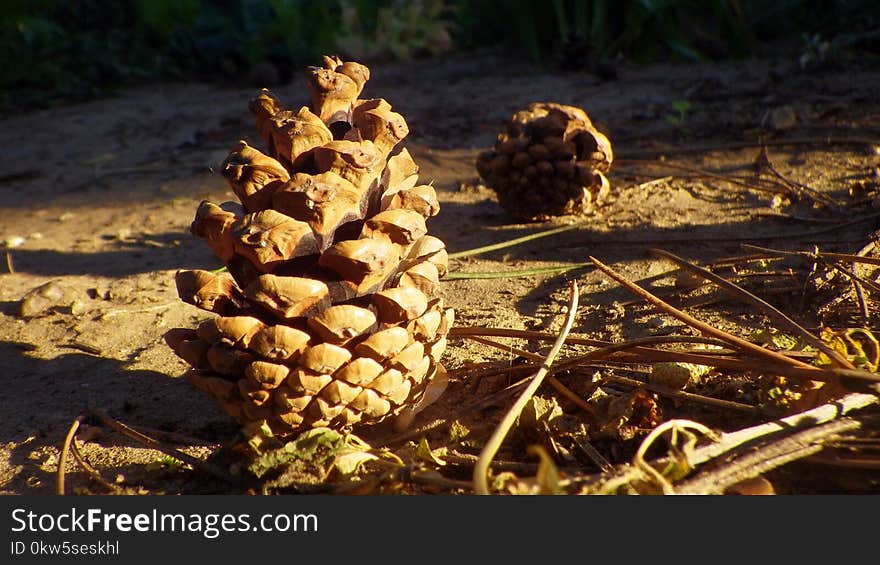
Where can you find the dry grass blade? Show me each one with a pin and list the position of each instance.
(509, 274)
(768, 309)
(767, 355)
(513, 242)
(481, 469)
(467, 331)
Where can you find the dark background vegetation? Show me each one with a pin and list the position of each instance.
(65, 50)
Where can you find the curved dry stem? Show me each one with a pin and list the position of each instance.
(675, 426)
(65, 449)
(91, 471)
(481, 468)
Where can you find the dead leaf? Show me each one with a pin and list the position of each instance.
(547, 476)
(754, 486)
(424, 452)
(350, 463)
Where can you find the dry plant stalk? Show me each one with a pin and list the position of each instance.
(330, 312)
(481, 468)
(781, 441)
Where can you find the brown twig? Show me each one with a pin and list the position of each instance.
(727, 239)
(814, 255)
(633, 155)
(714, 298)
(829, 260)
(846, 462)
(768, 309)
(863, 303)
(65, 449)
(577, 361)
(682, 395)
(764, 163)
(857, 283)
(551, 380)
(750, 183)
(476, 378)
(91, 471)
(639, 354)
(173, 437)
(597, 458)
(194, 462)
(760, 352)
(736, 260)
(821, 414)
(468, 460)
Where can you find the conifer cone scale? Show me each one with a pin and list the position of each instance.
(329, 312)
(549, 161)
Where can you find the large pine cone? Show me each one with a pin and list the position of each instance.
(328, 313)
(549, 162)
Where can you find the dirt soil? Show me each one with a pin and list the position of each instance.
(98, 198)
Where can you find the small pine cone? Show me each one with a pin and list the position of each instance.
(549, 161)
(329, 313)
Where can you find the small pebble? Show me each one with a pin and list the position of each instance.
(13, 242)
(77, 307)
(41, 299)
